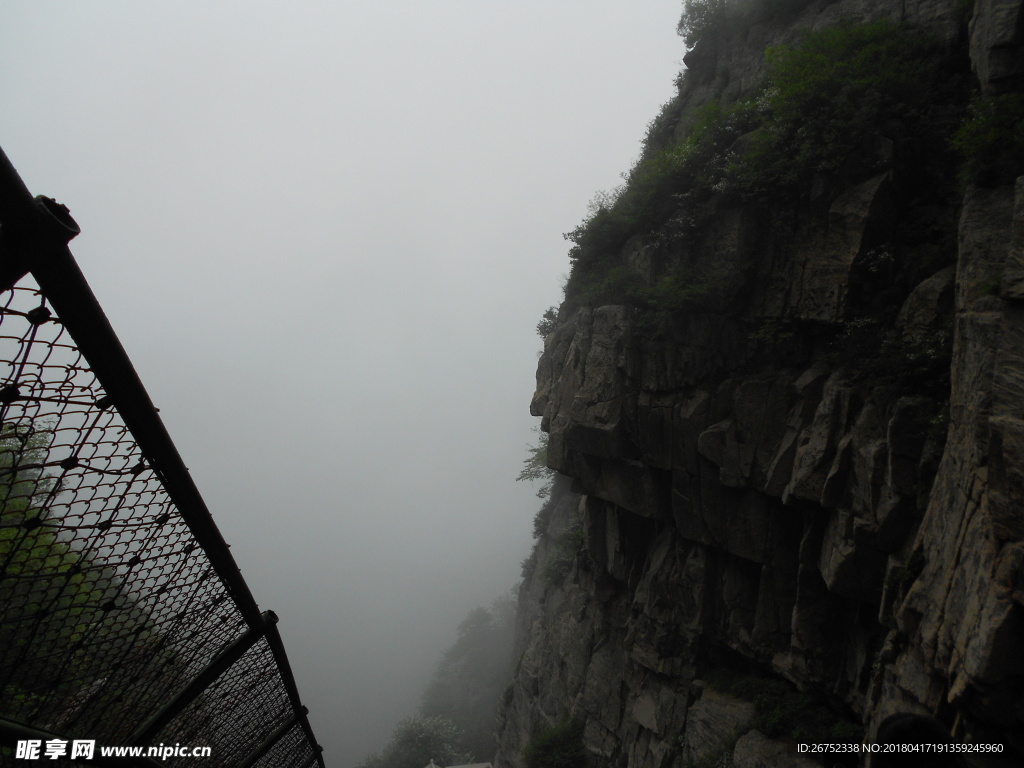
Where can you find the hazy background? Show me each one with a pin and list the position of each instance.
(325, 233)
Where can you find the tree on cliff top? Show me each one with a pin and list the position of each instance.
(699, 17)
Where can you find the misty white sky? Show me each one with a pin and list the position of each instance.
(325, 233)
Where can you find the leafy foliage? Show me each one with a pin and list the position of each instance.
(418, 740)
(872, 354)
(823, 109)
(828, 96)
(991, 139)
(702, 18)
(23, 480)
(547, 322)
(472, 674)
(455, 724)
(71, 602)
(535, 465)
(699, 17)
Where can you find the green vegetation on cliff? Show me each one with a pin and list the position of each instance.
(56, 602)
(417, 741)
(835, 107)
(455, 723)
(991, 140)
(703, 18)
(472, 674)
(763, 428)
(535, 466)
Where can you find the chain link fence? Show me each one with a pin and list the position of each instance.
(123, 617)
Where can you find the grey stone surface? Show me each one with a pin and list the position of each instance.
(755, 750)
(713, 724)
(764, 510)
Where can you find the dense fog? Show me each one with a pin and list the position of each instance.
(325, 234)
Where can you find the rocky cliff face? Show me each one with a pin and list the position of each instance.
(794, 487)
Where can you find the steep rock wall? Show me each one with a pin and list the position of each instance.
(754, 505)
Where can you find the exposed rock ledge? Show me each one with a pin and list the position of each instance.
(776, 515)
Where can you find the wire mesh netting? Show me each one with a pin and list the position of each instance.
(109, 604)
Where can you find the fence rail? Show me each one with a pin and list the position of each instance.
(124, 619)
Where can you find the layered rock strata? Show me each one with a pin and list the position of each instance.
(752, 502)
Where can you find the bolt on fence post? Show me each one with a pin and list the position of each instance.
(30, 228)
